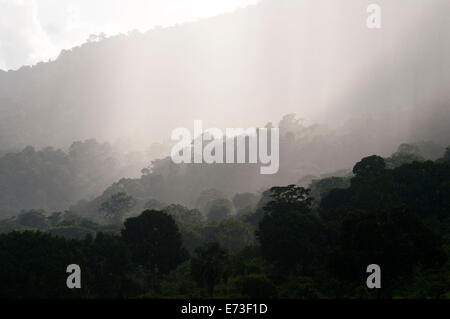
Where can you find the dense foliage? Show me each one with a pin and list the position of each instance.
(303, 248)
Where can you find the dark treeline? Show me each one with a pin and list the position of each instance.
(283, 244)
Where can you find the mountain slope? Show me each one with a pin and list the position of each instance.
(314, 58)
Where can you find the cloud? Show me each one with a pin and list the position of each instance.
(2, 64)
(36, 30)
(22, 39)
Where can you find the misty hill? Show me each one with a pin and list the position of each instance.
(55, 180)
(301, 163)
(52, 179)
(314, 58)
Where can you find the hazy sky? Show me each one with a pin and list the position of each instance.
(36, 30)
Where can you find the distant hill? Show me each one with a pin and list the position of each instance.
(314, 58)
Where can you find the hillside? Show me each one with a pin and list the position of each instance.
(250, 66)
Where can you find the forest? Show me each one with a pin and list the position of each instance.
(289, 241)
(86, 176)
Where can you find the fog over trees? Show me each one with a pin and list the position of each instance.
(313, 58)
(355, 91)
(363, 117)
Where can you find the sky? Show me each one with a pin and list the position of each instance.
(37, 30)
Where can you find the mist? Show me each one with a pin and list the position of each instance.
(316, 59)
(355, 91)
(310, 156)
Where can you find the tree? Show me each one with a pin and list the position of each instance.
(293, 241)
(55, 218)
(291, 236)
(446, 157)
(320, 188)
(290, 197)
(154, 204)
(299, 287)
(210, 265)
(406, 153)
(183, 215)
(203, 202)
(154, 241)
(33, 265)
(234, 234)
(244, 201)
(220, 209)
(117, 206)
(372, 165)
(258, 286)
(395, 239)
(110, 262)
(33, 219)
